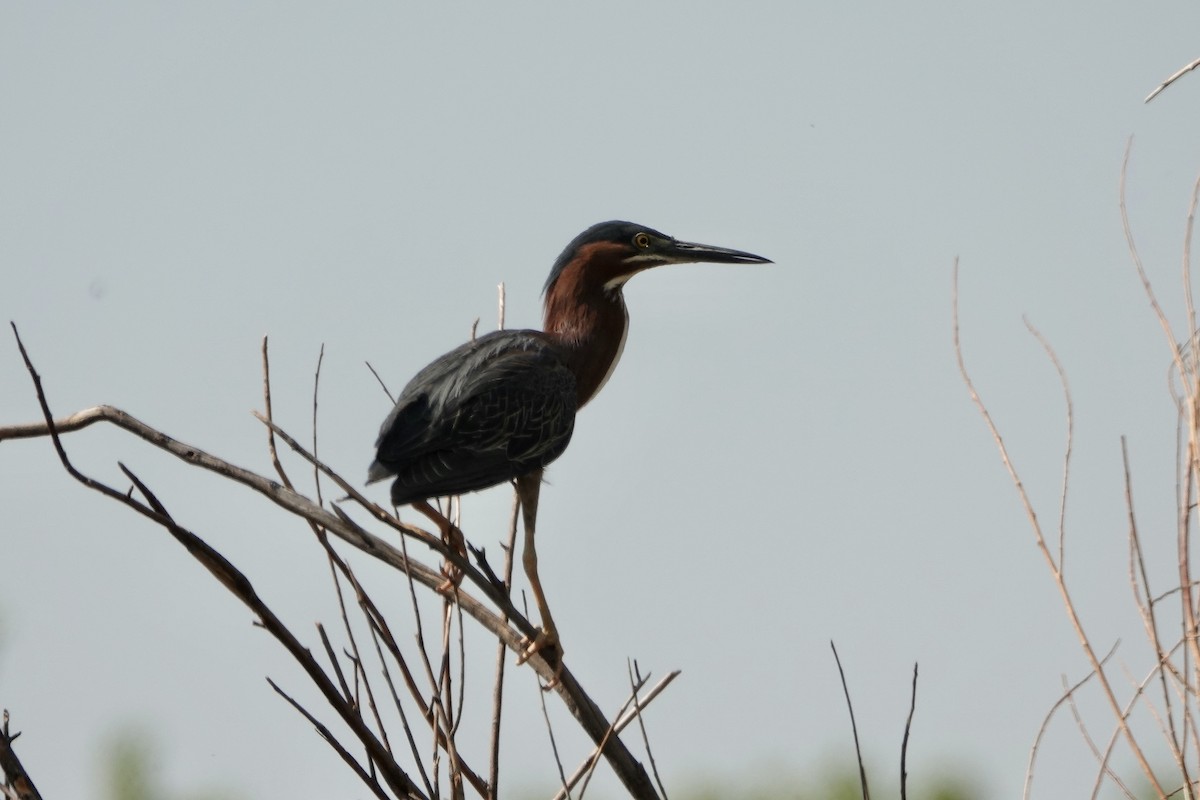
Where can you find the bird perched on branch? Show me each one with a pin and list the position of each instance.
(502, 407)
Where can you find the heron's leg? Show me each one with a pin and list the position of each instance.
(452, 536)
(528, 488)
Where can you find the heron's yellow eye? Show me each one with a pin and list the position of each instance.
(642, 240)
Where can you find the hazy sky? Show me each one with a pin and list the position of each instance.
(786, 454)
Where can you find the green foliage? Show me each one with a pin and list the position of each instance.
(841, 783)
(130, 772)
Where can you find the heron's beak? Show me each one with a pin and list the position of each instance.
(690, 252)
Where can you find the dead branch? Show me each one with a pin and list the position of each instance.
(912, 709)
(17, 783)
(862, 770)
(501, 618)
(1176, 76)
(1039, 537)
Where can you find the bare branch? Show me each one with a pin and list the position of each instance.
(1037, 741)
(1174, 77)
(505, 622)
(364, 776)
(636, 680)
(17, 783)
(912, 708)
(862, 770)
(1039, 537)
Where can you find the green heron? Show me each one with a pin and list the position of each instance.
(502, 407)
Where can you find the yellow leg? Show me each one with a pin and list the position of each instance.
(528, 489)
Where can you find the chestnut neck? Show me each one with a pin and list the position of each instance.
(587, 320)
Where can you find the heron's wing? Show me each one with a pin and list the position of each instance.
(489, 411)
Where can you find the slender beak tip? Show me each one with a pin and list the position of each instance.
(717, 255)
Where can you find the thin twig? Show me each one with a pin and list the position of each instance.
(316, 387)
(382, 385)
(611, 732)
(1040, 539)
(1176, 76)
(338, 522)
(501, 654)
(1067, 448)
(562, 777)
(331, 740)
(636, 680)
(271, 449)
(1104, 770)
(912, 708)
(1146, 608)
(862, 770)
(1037, 741)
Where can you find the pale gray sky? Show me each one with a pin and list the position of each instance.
(786, 454)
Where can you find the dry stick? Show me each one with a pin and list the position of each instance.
(1104, 769)
(1139, 693)
(17, 783)
(862, 770)
(438, 728)
(1162, 727)
(271, 450)
(1183, 547)
(1178, 74)
(1186, 269)
(366, 606)
(336, 520)
(912, 708)
(1040, 539)
(366, 777)
(240, 585)
(1193, 417)
(1138, 576)
(455, 768)
(1067, 448)
(440, 720)
(323, 538)
(589, 716)
(382, 633)
(1188, 380)
(316, 386)
(612, 730)
(446, 683)
(498, 684)
(355, 655)
(501, 654)
(228, 575)
(335, 663)
(1181, 503)
(562, 777)
(629, 716)
(399, 705)
(462, 670)
(635, 680)
(546, 716)
(621, 724)
(1037, 741)
(1176, 353)
(1191, 412)
(1193, 361)
(382, 385)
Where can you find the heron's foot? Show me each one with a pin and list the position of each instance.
(543, 640)
(453, 579)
